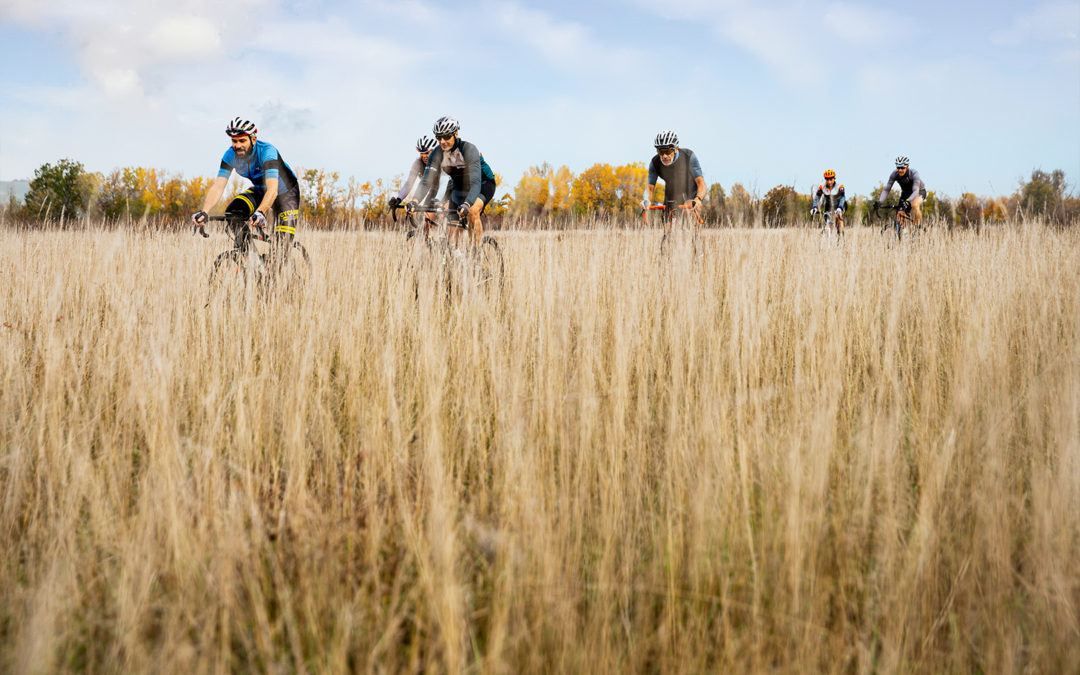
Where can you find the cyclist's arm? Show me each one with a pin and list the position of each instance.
(429, 183)
(841, 204)
(415, 171)
(888, 187)
(817, 197)
(702, 190)
(651, 185)
(472, 164)
(213, 195)
(269, 196)
(917, 186)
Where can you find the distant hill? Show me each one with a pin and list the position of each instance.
(8, 187)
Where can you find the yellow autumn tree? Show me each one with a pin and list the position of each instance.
(561, 202)
(323, 198)
(594, 190)
(533, 191)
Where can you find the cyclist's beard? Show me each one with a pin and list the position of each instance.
(667, 161)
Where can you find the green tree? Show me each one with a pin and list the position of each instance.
(1044, 194)
(712, 211)
(59, 191)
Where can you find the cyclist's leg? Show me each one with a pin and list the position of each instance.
(284, 215)
(670, 210)
(240, 209)
(454, 231)
(476, 225)
(916, 208)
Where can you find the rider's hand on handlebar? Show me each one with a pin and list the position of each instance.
(463, 211)
(258, 219)
(394, 202)
(199, 220)
(813, 211)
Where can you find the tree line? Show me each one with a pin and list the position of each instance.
(544, 197)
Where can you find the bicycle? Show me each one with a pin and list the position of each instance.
(483, 266)
(831, 236)
(894, 233)
(243, 265)
(683, 227)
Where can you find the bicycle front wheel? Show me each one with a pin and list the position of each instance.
(489, 264)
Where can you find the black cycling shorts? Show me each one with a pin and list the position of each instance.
(487, 191)
(283, 213)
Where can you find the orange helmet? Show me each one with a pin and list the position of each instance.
(830, 174)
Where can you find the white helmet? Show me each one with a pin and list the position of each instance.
(241, 127)
(445, 126)
(666, 139)
(425, 144)
(902, 162)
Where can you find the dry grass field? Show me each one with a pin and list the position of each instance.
(775, 459)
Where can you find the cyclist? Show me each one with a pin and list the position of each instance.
(912, 189)
(679, 167)
(472, 182)
(830, 197)
(274, 194)
(424, 145)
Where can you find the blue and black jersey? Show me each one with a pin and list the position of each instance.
(263, 162)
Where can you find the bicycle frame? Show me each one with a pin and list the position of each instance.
(830, 227)
(244, 260)
(244, 233)
(901, 219)
(669, 211)
(491, 267)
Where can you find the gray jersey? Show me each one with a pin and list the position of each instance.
(909, 185)
(408, 188)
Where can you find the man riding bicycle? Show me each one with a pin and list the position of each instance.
(472, 182)
(274, 194)
(424, 145)
(680, 169)
(831, 199)
(912, 189)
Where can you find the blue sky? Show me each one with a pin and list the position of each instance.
(976, 93)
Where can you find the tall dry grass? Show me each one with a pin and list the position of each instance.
(776, 459)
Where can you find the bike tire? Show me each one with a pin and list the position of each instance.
(228, 267)
(491, 269)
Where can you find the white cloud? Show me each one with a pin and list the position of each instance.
(185, 37)
(1053, 22)
(860, 25)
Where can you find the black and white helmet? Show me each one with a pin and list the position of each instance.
(241, 127)
(445, 126)
(666, 139)
(902, 162)
(425, 144)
